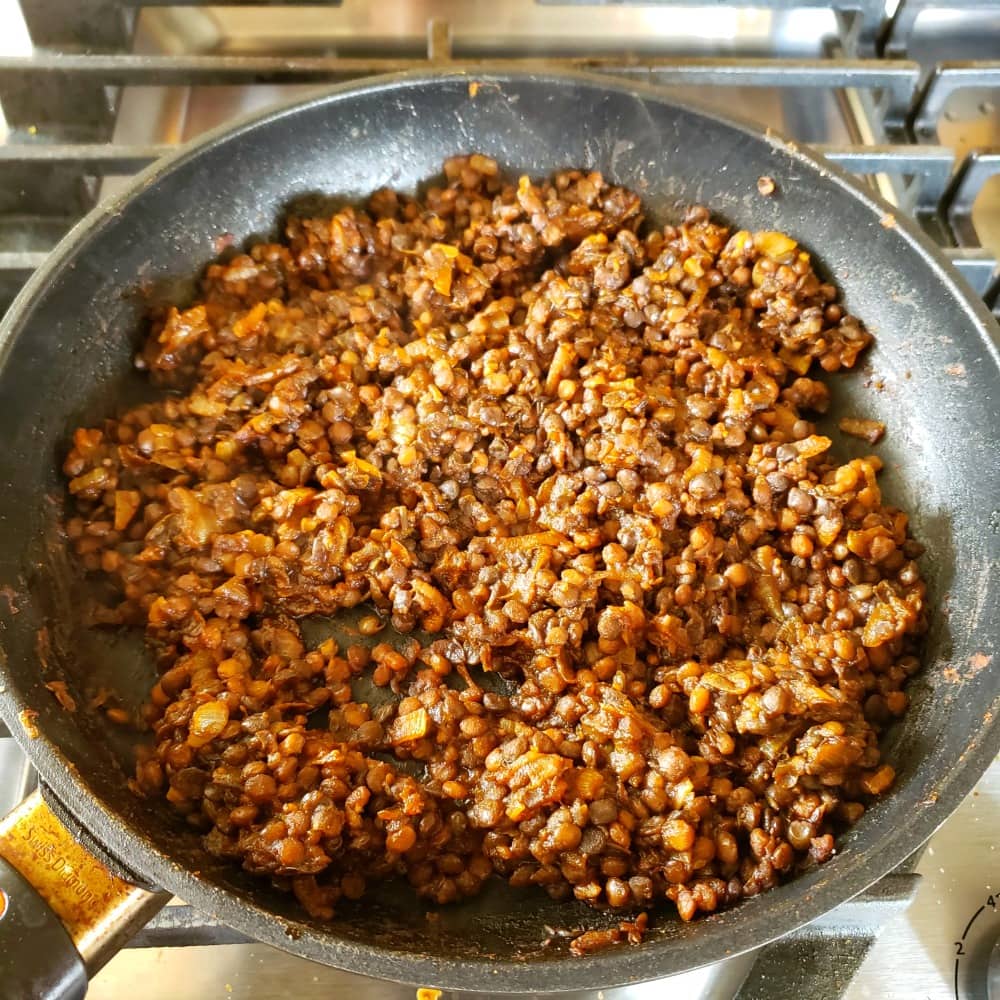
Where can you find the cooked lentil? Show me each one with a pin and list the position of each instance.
(579, 452)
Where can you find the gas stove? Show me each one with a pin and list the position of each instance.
(904, 94)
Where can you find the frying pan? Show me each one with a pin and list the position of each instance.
(65, 357)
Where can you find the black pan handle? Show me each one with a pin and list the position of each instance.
(63, 912)
(37, 956)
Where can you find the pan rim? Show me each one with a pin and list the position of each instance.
(771, 916)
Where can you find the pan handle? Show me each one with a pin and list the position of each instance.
(63, 914)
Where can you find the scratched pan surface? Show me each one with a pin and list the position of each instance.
(65, 351)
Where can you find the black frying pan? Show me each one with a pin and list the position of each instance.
(65, 353)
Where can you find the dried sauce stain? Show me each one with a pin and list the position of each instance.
(43, 648)
(979, 661)
(27, 717)
(976, 662)
(10, 594)
(473, 88)
(957, 370)
(887, 221)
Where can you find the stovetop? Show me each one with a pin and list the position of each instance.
(908, 102)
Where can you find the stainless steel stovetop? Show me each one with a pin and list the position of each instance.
(933, 148)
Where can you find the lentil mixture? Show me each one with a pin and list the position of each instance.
(575, 455)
